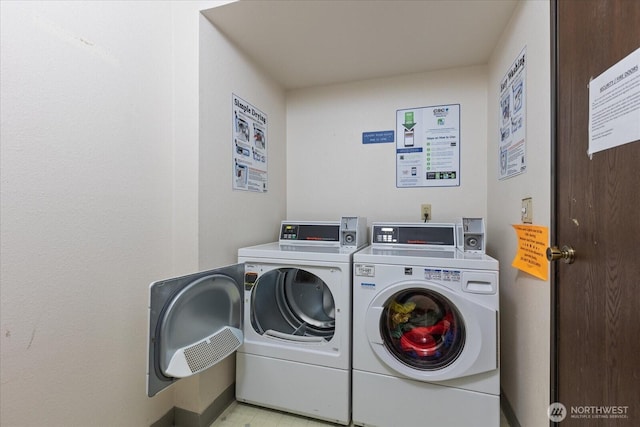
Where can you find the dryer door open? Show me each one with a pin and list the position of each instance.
(293, 304)
(195, 321)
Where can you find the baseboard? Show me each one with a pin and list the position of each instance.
(507, 410)
(166, 420)
(178, 417)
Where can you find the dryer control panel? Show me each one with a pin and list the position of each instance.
(291, 232)
(349, 232)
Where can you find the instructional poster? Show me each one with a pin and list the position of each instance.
(428, 146)
(513, 119)
(614, 105)
(249, 147)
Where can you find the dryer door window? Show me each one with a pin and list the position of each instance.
(293, 304)
(422, 329)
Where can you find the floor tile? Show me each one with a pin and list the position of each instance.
(244, 415)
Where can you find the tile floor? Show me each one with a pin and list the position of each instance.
(243, 415)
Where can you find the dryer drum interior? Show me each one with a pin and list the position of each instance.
(422, 329)
(293, 301)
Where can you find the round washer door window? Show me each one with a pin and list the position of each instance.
(292, 301)
(422, 329)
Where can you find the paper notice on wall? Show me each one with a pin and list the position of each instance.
(532, 250)
(614, 105)
(249, 147)
(513, 119)
(428, 146)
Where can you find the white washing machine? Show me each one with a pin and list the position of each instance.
(425, 330)
(285, 308)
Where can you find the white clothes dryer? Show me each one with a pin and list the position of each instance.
(285, 308)
(425, 330)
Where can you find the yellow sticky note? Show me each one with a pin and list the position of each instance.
(532, 247)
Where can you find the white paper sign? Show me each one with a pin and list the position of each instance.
(614, 105)
(513, 119)
(249, 147)
(428, 146)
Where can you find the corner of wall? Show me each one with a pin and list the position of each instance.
(524, 299)
(205, 205)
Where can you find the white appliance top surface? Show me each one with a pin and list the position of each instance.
(427, 257)
(298, 252)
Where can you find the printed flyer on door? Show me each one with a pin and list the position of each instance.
(614, 105)
(428, 146)
(249, 147)
(513, 119)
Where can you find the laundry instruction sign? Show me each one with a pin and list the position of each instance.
(249, 147)
(428, 146)
(513, 119)
(532, 250)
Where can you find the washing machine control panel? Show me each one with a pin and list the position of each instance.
(414, 234)
(385, 234)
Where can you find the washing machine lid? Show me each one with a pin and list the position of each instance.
(426, 257)
(195, 321)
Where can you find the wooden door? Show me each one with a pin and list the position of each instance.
(596, 322)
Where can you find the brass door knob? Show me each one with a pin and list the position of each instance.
(566, 254)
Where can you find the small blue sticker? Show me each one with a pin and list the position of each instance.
(378, 137)
(409, 150)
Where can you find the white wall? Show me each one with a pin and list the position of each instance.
(101, 170)
(331, 173)
(230, 219)
(524, 300)
(86, 207)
